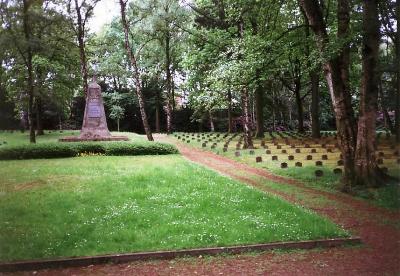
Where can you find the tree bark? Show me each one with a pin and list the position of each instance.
(230, 124)
(259, 97)
(168, 83)
(299, 103)
(314, 79)
(136, 73)
(158, 130)
(337, 80)
(29, 67)
(397, 48)
(212, 127)
(367, 171)
(315, 124)
(39, 113)
(248, 141)
(81, 44)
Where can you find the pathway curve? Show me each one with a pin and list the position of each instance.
(378, 228)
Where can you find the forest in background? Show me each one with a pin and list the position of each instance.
(221, 65)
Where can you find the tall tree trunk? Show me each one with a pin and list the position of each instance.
(248, 141)
(387, 122)
(168, 83)
(157, 123)
(259, 97)
(136, 73)
(367, 171)
(299, 103)
(39, 113)
(212, 128)
(315, 125)
(230, 123)
(314, 79)
(29, 67)
(273, 111)
(81, 44)
(397, 48)
(337, 80)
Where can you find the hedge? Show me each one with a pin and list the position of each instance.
(59, 150)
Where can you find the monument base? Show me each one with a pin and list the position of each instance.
(93, 139)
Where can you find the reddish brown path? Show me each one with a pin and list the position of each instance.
(378, 228)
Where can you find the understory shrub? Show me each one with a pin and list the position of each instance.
(59, 150)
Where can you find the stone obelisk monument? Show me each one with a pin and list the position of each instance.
(94, 126)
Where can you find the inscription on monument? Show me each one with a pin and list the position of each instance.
(94, 110)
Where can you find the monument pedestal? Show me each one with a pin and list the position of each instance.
(94, 126)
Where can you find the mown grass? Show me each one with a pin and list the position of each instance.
(105, 204)
(18, 138)
(387, 196)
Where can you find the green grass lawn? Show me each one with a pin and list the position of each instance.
(387, 196)
(106, 204)
(18, 138)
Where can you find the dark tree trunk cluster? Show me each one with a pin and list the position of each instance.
(356, 139)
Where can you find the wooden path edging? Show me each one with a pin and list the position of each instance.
(166, 255)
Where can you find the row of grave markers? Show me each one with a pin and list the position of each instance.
(215, 138)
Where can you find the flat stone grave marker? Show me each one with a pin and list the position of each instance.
(237, 153)
(290, 157)
(298, 164)
(268, 152)
(258, 159)
(298, 151)
(284, 151)
(337, 171)
(324, 157)
(274, 158)
(284, 165)
(309, 157)
(313, 151)
(251, 152)
(340, 162)
(319, 173)
(318, 163)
